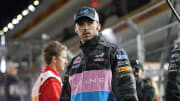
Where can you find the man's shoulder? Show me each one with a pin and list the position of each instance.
(52, 80)
(176, 50)
(116, 49)
(113, 46)
(175, 53)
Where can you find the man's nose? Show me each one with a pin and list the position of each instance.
(86, 26)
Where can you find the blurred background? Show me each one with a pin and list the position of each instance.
(146, 29)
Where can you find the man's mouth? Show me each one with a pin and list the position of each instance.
(86, 33)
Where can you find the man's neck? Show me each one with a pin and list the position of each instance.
(52, 66)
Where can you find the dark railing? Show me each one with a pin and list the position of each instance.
(174, 10)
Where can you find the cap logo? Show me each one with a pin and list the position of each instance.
(84, 11)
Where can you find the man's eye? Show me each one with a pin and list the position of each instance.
(90, 22)
(81, 24)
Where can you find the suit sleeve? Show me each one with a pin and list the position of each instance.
(66, 90)
(123, 81)
(172, 89)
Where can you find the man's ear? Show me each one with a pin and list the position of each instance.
(99, 27)
(75, 28)
(54, 59)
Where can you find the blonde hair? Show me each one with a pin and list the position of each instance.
(53, 48)
(154, 84)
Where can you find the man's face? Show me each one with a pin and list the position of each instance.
(61, 61)
(13, 71)
(87, 29)
(138, 73)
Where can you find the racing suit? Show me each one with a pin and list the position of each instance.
(172, 92)
(48, 86)
(101, 72)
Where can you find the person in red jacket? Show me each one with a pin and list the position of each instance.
(48, 85)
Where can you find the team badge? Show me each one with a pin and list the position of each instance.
(121, 56)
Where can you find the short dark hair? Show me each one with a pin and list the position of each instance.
(53, 48)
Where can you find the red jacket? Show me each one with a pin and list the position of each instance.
(51, 89)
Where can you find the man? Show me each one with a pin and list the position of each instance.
(48, 85)
(172, 90)
(101, 72)
(2, 87)
(145, 91)
(13, 89)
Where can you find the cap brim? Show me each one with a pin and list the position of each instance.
(139, 67)
(85, 16)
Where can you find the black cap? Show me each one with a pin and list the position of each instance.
(87, 12)
(136, 65)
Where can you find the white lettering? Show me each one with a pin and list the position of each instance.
(89, 81)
